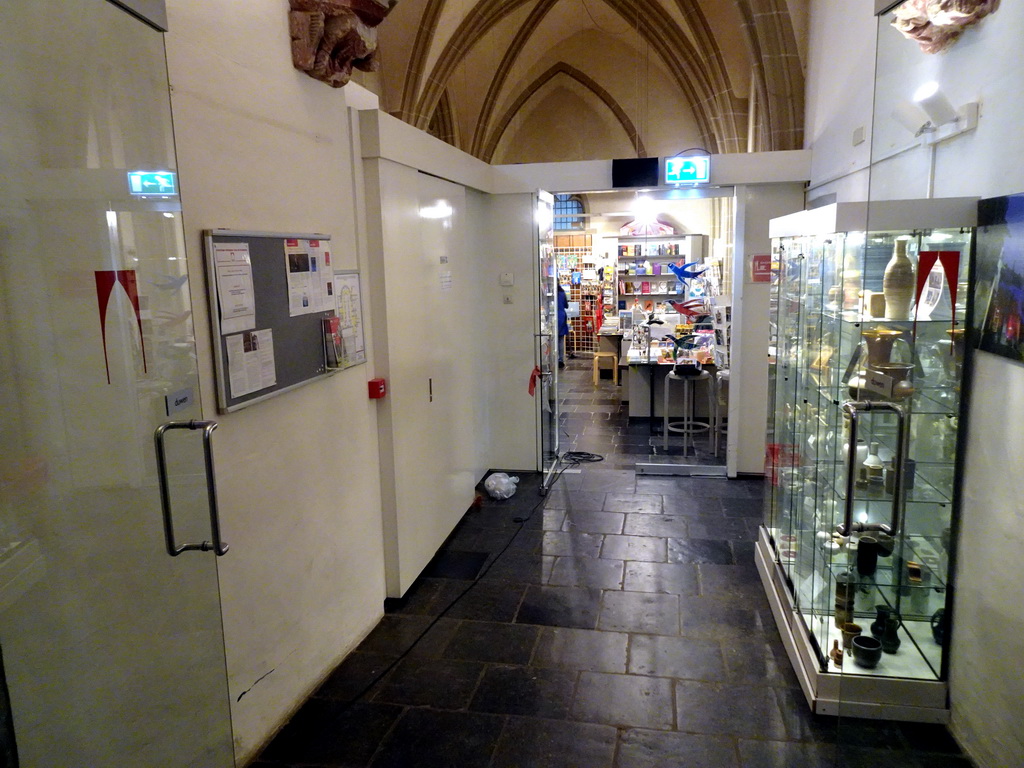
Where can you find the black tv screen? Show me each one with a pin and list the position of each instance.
(635, 172)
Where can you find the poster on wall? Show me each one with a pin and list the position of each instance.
(349, 311)
(1000, 276)
(237, 299)
(310, 279)
(251, 364)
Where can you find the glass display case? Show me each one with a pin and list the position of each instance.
(870, 304)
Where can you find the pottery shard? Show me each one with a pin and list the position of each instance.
(331, 37)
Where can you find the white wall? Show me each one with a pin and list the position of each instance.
(263, 147)
(987, 64)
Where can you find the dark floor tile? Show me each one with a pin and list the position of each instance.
(741, 710)
(438, 683)
(699, 551)
(581, 650)
(743, 507)
(649, 549)
(786, 754)
(718, 619)
(528, 743)
(593, 522)
(332, 733)
(689, 506)
(520, 567)
(577, 501)
(488, 641)
(679, 657)
(657, 485)
(737, 582)
(667, 578)
(711, 527)
(354, 675)
(587, 572)
(719, 488)
(640, 612)
(560, 607)
(929, 737)
(432, 644)
(548, 519)
(743, 552)
(394, 635)
(655, 525)
(633, 503)
(569, 544)
(426, 597)
(758, 662)
(531, 691)
(427, 738)
(489, 601)
(658, 749)
(624, 700)
(610, 481)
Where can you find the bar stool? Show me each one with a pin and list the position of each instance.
(687, 426)
(597, 366)
(718, 427)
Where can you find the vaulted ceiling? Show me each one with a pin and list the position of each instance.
(545, 80)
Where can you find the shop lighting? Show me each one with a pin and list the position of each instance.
(929, 113)
(645, 209)
(930, 98)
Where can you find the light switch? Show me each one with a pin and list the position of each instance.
(507, 279)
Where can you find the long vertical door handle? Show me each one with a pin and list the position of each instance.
(853, 410)
(173, 548)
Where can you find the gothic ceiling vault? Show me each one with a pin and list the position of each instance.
(514, 81)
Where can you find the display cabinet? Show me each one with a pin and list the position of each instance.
(870, 305)
(644, 276)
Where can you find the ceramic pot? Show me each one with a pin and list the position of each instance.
(879, 342)
(850, 631)
(866, 651)
(883, 612)
(900, 373)
(898, 283)
(890, 638)
(939, 625)
(867, 555)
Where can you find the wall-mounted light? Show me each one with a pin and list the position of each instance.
(930, 98)
(931, 115)
(439, 210)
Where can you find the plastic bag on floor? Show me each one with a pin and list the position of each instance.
(500, 486)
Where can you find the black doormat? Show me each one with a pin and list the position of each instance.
(452, 564)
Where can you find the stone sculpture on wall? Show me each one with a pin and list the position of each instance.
(330, 37)
(936, 24)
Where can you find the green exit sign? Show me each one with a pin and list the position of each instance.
(688, 170)
(153, 183)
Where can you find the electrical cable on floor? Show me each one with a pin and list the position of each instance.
(571, 459)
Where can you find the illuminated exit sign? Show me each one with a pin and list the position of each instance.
(153, 182)
(688, 170)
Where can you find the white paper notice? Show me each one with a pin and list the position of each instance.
(234, 287)
(446, 281)
(310, 277)
(350, 314)
(251, 362)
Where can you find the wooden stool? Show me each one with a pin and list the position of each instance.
(597, 367)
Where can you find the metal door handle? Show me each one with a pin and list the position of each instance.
(853, 410)
(173, 548)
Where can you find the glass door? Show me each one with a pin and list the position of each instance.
(548, 340)
(113, 650)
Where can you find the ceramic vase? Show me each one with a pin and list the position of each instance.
(890, 637)
(898, 283)
(881, 619)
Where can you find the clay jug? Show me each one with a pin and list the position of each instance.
(898, 283)
(890, 637)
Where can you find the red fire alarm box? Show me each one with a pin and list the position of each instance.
(378, 388)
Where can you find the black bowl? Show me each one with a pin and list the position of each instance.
(866, 651)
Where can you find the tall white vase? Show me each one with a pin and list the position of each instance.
(898, 283)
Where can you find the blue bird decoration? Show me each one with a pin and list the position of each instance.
(684, 273)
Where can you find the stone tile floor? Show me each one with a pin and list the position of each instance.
(617, 623)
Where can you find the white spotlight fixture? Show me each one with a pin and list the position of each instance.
(933, 101)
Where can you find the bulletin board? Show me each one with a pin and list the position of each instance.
(270, 293)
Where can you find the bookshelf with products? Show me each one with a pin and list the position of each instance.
(644, 276)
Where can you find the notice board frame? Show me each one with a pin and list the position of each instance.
(298, 341)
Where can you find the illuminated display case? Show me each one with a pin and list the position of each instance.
(870, 307)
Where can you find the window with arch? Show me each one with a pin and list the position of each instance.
(569, 212)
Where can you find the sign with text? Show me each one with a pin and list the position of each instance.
(761, 268)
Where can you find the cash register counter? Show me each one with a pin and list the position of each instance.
(644, 384)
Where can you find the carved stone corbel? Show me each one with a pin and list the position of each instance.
(330, 37)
